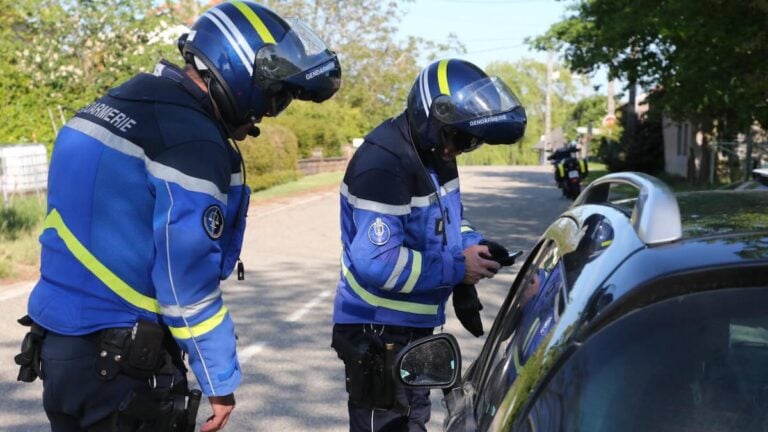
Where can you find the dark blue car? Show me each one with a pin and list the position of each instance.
(638, 310)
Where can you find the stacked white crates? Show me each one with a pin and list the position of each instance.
(23, 169)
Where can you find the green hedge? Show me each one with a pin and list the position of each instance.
(271, 158)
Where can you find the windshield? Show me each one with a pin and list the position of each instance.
(692, 363)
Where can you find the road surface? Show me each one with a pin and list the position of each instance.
(292, 379)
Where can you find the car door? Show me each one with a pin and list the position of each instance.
(525, 317)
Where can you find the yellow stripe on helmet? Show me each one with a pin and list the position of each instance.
(256, 22)
(442, 77)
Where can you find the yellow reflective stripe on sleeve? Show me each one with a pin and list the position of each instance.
(105, 275)
(199, 329)
(402, 306)
(442, 77)
(415, 273)
(561, 169)
(256, 22)
(466, 229)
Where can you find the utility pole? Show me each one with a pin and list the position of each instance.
(611, 101)
(548, 110)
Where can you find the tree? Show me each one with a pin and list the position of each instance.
(528, 79)
(67, 53)
(377, 69)
(702, 58)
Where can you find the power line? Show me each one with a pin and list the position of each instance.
(495, 49)
(498, 2)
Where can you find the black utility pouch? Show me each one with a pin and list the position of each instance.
(113, 347)
(382, 384)
(137, 351)
(29, 357)
(146, 353)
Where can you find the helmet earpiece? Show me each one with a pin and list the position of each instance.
(221, 98)
(181, 42)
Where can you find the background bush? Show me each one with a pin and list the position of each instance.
(643, 152)
(271, 158)
(20, 217)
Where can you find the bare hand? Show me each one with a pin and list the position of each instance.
(222, 407)
(478, 267)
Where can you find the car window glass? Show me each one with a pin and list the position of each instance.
(596, 235)
(623, 197)
(690, 363)
(524, 327)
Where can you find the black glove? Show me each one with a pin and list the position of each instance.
(499, 253)
(467, 306)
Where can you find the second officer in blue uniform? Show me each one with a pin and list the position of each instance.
(146, 212)
(405, 241)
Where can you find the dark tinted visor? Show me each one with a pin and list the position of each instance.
(300, 63)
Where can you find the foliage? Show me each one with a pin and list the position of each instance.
(378, 70)
(14, 221)
(20, 217)
(327, 126)
(644, 152)
(527, 78)
(67, 53)
(705, 58)
(271, 158)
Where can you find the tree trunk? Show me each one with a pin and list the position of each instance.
(631, 113)
(704, 165)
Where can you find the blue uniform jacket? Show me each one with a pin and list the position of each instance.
(402, 246)
(146, 212)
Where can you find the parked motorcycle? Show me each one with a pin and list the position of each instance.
(570, 170)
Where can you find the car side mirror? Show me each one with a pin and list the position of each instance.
(430, 362)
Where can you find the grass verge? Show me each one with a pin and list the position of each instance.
(305, 184)
(677, 184)
(20, 225)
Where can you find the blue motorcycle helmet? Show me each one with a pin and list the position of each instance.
(456, 97)
(255, 62)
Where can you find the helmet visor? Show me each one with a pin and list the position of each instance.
(301, 62)
(482, 98)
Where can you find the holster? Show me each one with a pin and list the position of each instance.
(368, 363)
(142, 351)
(161, 410)
(29, 357)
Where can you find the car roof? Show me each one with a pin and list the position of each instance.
(701, 233)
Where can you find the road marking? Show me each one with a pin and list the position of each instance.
(295, 204)
(251, 350)
(312, 303)
(12, 293)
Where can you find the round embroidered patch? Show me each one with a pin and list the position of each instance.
(379, 232)
(213, 222)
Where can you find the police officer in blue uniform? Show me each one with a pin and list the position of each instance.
(146, 214)
(405, 242)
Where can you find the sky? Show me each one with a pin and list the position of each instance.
(491, 30)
